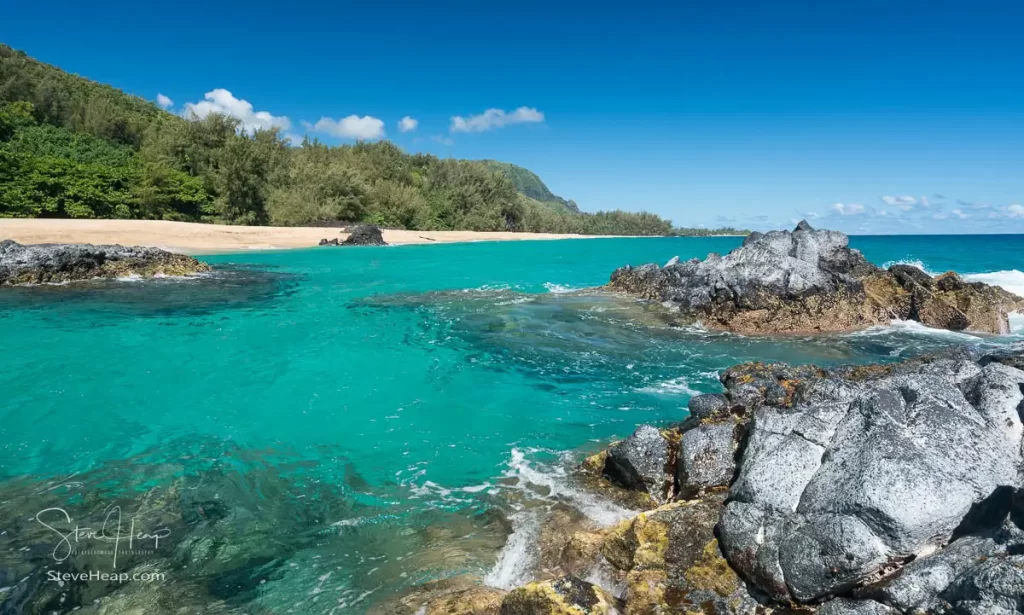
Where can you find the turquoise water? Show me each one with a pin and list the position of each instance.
(383, 415)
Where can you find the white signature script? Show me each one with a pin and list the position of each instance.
(109, 532)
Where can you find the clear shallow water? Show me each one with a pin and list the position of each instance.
(383, 416)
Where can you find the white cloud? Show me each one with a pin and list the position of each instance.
(443, 140)
(164, 101)
(940, 216)
(812, 215)
(906, 203)
(925, 202)
(1015, 211)
(848, 209)
(223, 102)
(408, 124)
(959, 213)
(351, 127)
(294, 139)
(495, 118)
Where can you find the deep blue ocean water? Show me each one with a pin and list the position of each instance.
(386, 414)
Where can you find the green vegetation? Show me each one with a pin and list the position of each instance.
(528, 184)
(73, 148)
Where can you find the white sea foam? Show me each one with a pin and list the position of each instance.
(1011, 280)
(675, 386)
(546, 482)
(555, 479)
(913, 327)
(559, 289)
(606, 577)
(515, 562)
(913, 262)
(1016, 323)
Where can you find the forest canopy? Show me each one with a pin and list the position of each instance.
(74, 148)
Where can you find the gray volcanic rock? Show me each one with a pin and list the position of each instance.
(706, 458)
(643, 462)
(365, 235)
(865, 473)
(55, 263)
(845, 606)
(811, 280)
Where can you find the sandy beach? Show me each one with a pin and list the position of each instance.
(194, 238)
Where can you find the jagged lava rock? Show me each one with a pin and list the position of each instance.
(811, 280)
(870, 468)
(644, 462)
(56, 263)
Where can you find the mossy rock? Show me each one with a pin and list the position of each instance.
(564, 596)
(673, 563)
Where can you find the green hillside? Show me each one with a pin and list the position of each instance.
(74, 148)
(528, 183)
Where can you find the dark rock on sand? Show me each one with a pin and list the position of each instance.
(56, 263)
(365, 235)
(362, 235)
(811, 280)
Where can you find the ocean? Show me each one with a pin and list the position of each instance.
(320, 430)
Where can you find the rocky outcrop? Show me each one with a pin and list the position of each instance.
(877, 489)
(811, 280)
(58, 263)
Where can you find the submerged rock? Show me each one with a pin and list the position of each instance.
(56, 263)
(811, 280)
(454, 596)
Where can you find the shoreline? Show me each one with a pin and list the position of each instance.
(200, 238)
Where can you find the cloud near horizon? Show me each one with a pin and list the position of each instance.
(848, 209)
(223, 102)
(351, 127)
(408, 124)
(906, 203)
(165, 102)
(495, 118)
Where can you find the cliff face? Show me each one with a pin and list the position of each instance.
(808, 281)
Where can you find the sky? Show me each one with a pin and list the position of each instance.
(866, 117)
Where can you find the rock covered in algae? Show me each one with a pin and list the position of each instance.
(673, 562)
(563, 596)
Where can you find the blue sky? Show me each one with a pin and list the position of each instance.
(868, 117)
